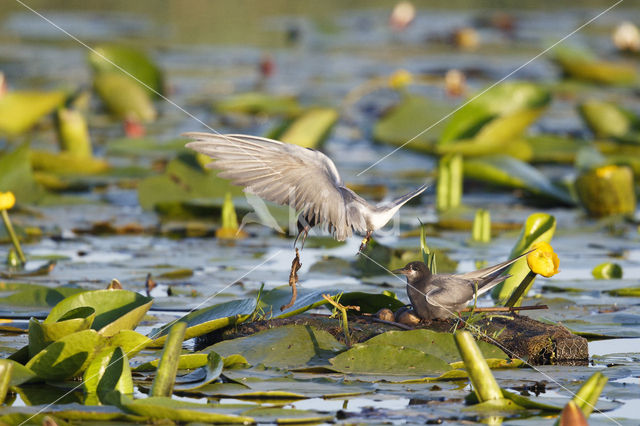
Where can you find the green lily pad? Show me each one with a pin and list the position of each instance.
(433, 343)
(283, 347)
(407, 121)
(606, 119)
(66, 163)
(124, 97)
(108, 371)
(271, 301)
(67, 357)
(212, 371)
(21, 110)
(166, 408)
(41, 335)
(503, 170)
(625, 292)
(582, 65)
(183, 180)
(135, 62)
(144, 147)
(130, 341)
(186, 362)
(280, 415)
(20, 374)
(607, 271)
(259, 103)
(311, 128)
(388, 360)
(39, 296)
(208, 319)
(370, 303)
(115, 309)
(16, 176)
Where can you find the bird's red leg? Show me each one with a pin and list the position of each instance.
(293, 280)
(365, 241)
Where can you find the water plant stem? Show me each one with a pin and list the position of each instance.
(345, 321)
(484, 384)
(6, 368)
(13, 236)
(522, 289)
(168, 366)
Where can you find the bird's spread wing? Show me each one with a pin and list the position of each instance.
(287, 174)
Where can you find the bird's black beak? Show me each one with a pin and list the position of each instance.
(401, 271)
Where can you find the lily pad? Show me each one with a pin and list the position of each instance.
(135, 62)
(206, 320)
(212, 371)
(183, 180)
(259, 103)
(507, 171)
(67, 357)
(115, 309)
(39, 296)
(582, 65)
(388, 360)
(607, 271)
(311, 128)
(16, 176)
(433, 343)
(109, 371)
(166, 408)
(283, 347)
(21, 110)
(124, 97)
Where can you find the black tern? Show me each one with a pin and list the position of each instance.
(302, 178)
(440, 296)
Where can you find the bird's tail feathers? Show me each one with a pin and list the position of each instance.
(493, 270)
(399, 202)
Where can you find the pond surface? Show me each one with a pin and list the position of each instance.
(209, 51)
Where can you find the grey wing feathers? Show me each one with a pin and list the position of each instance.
(302, 178)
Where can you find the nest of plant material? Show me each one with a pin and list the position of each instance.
(519, 336)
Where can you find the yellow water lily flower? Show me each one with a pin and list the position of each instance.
(400, 79)
(543, 261)
(7, 200)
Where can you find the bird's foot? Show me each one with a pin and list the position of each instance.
(293, 280)
(365, 241)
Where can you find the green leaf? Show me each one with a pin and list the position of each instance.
(41, 335)
(441, 345)
(606, 119)
(311, 128)
(123, 97)
(212, 370)
(68, 357)
(370, 303)
(607, 271)
(539, 227)
(115, 309)
(186, 362)
(258, 102)
(135, 62)
(166, 408)
(388, 360)
(407, 121)
(109, 371)
(504, 170)
(21, 110)
(20, 374)
(183, 180)
(583, 66)
(16, 175)
(283, 347)
(206, 320)
(523, 101)
(165, 377)
(130, 341)
(66, 163)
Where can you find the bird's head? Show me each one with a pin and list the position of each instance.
(414, 271)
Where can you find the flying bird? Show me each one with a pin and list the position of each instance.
(302, 178)
(440, 296)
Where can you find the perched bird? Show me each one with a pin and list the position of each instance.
(302, 178)
(440, 296)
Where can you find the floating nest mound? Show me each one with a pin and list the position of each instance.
(520, 336)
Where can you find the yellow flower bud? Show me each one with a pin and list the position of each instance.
(543, 261)
(400, 79)
(7, 200)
